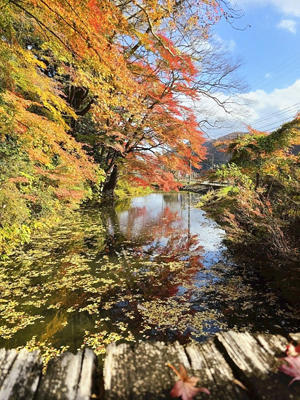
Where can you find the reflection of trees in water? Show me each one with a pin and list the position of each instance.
(166, 239)
(90, 266)
(171, 198)
(91, 269)
(163, 238)
(154, 264)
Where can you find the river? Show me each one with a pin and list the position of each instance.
(152, 268)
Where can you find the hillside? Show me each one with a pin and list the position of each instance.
(215, 156)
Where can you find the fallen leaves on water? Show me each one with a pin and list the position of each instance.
(185, 387)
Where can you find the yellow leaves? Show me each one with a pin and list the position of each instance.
(47, 350)
(23, 69)
(192, 21)
(43, 138)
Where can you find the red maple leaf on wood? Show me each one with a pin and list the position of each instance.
(292, 350)
(292, 365)
(292, 368)
(185, 387)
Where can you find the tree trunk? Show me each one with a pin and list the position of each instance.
(110, 184)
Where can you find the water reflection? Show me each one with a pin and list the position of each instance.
(154, 269)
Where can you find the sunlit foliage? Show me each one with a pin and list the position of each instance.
(92, 88)
(260, 211)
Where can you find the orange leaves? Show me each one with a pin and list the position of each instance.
(19, 179)
(136, 77)
(69, 194)
(43, 141)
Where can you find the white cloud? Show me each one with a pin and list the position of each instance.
(288, 7)
(263, 111)
(288, 24)
(225, 45)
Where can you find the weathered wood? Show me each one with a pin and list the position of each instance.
(87, 376)
(214, 372)
(223, 365)
(62, 378)
(71, 377)
(275, 345)
(7, 358)
(295, 337)
(152, 377)
(257, 365)
(117, 370)
(141, 372)
(22, 375)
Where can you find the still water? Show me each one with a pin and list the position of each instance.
(152, 268)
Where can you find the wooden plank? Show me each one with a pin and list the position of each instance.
(87, 376)
(23, 376)
(153, 378)
(257, 366)
(275, 345)
(117, 371)
(7, 358)
(209, 364)
(62, 378)
(141, 372)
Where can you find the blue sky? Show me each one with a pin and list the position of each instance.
(269, 48)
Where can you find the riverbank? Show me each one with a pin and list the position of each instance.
(257, 237)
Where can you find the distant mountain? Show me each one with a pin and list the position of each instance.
(215, 156)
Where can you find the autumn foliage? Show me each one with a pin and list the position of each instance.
(260, 208)
(92, 88)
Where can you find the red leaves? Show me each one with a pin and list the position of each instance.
(292, 366)
(185, 387)
(292, 350)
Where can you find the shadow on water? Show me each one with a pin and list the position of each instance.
(152, 269)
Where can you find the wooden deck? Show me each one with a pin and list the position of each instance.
(225, 364)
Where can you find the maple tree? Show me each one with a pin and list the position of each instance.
(156, 134)
(94, 87)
